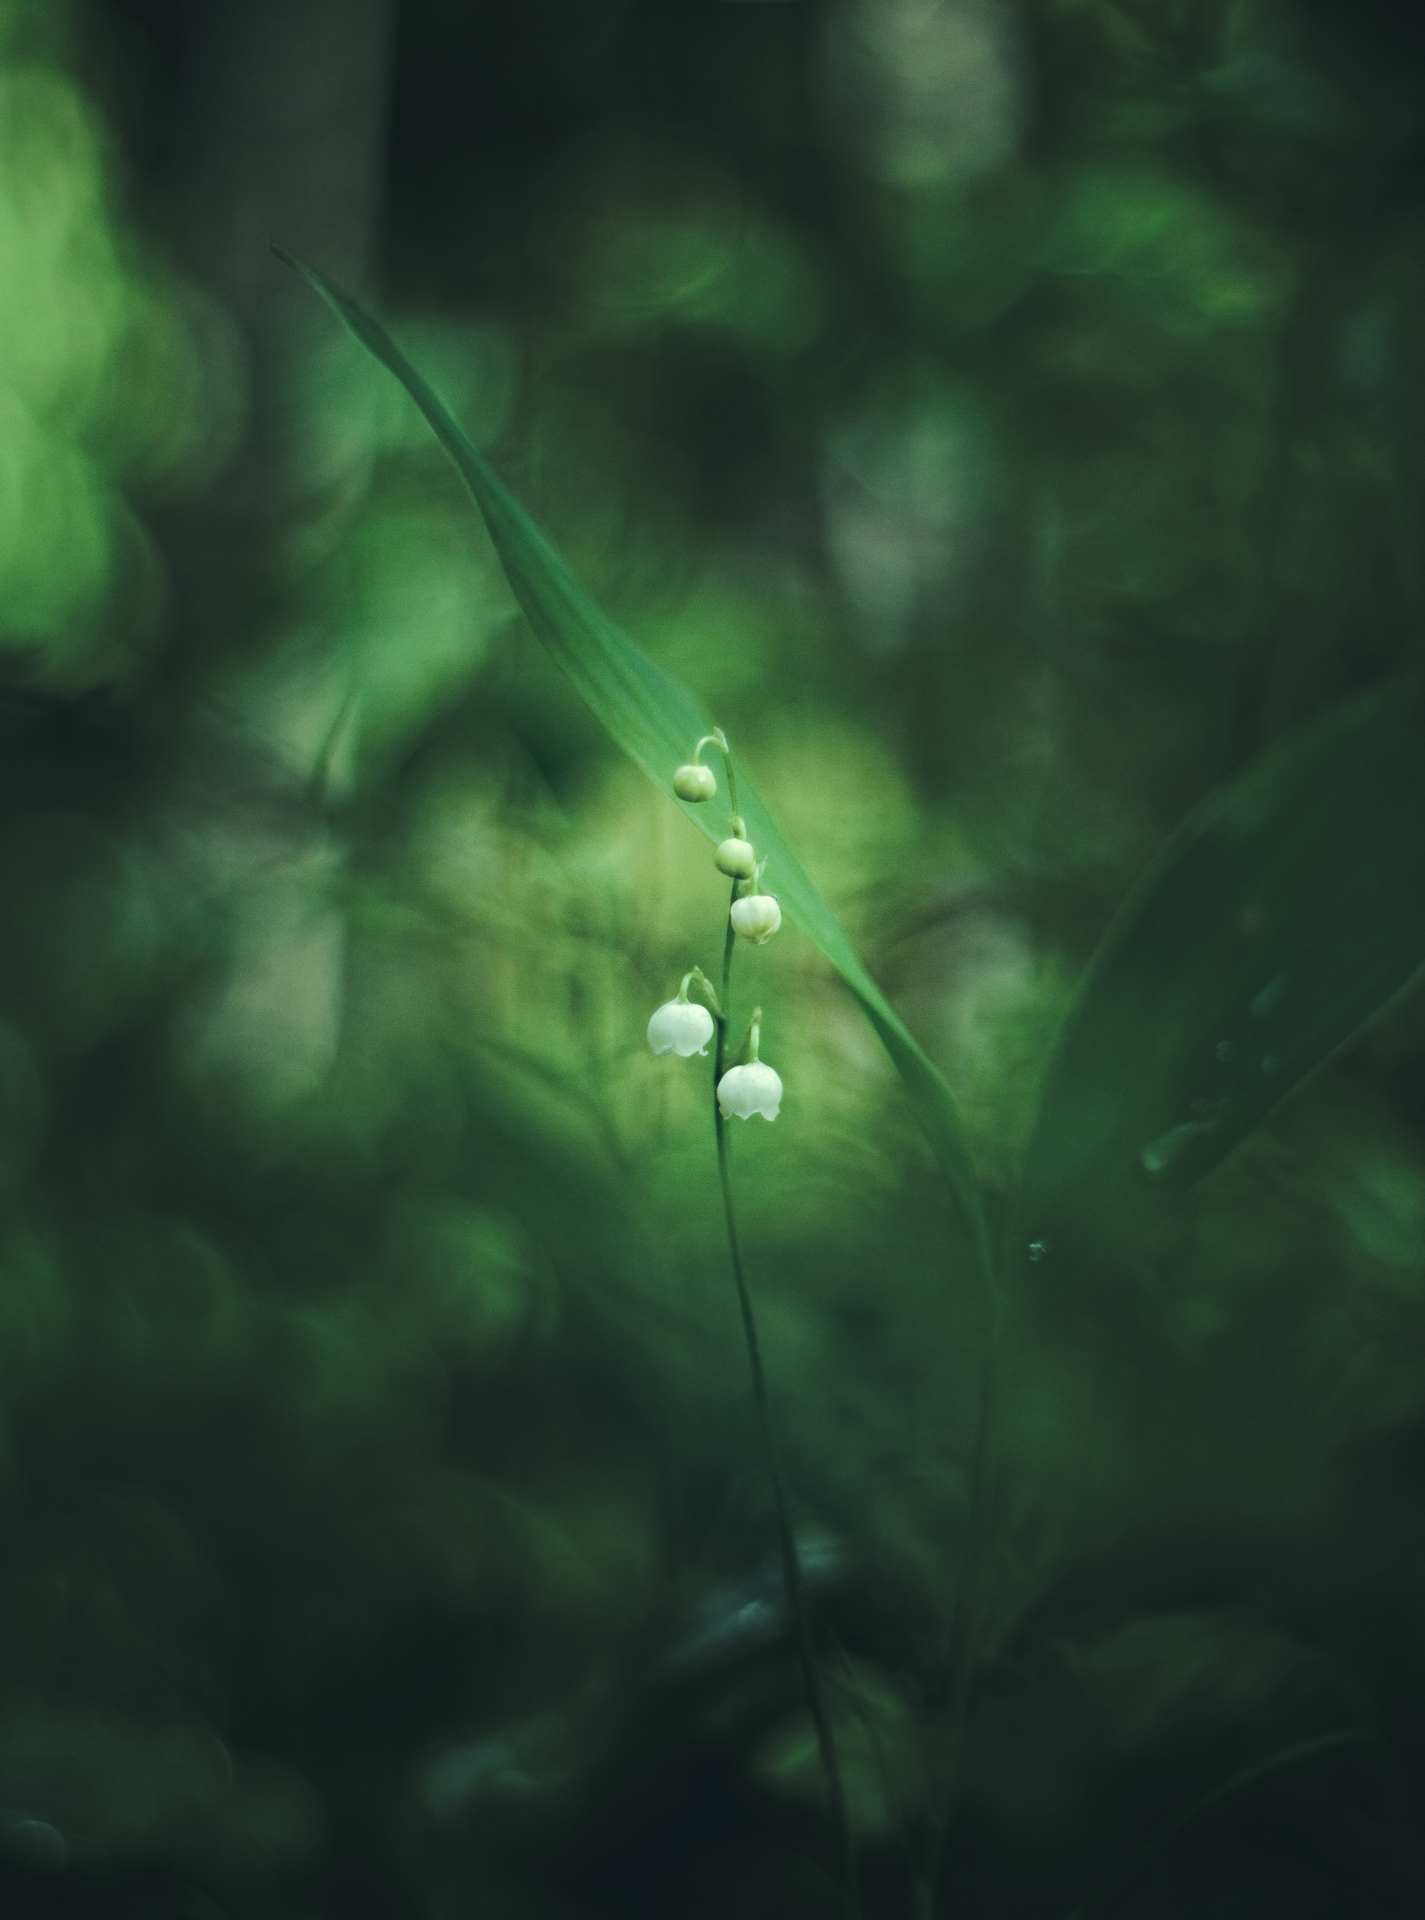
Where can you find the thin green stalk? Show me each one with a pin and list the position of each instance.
(967, 1615)
(791, 1563)
(717, 738)
(965, 1624)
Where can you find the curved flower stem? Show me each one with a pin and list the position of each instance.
(717, 738)
(791, 1563)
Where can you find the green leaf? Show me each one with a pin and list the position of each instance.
(657, 721)
(1283, 915)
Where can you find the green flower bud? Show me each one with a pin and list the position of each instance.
(694, 783)
(736, 857)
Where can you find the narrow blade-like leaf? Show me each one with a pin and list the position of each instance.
(656, 721)
(1283, 915)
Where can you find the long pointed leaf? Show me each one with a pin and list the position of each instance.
(656, 721)
(1282, 917)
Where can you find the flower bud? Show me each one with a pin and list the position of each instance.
(736, 857)
(694, 783)
(756, 918)
(681, 1027)
(743, 1091)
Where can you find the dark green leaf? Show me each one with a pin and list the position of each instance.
(1283, 915)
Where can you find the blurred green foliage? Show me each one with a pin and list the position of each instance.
(1006, 421)
(95, 392)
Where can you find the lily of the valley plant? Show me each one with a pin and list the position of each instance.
(746, 1087)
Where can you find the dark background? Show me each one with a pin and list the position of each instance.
(1009, 420)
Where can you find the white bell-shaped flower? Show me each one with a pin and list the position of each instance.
(681, 1027)
(756, 918)
(743, 1091)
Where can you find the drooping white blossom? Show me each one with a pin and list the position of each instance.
(681, 1027)
(756, 918)
(743, 1091)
